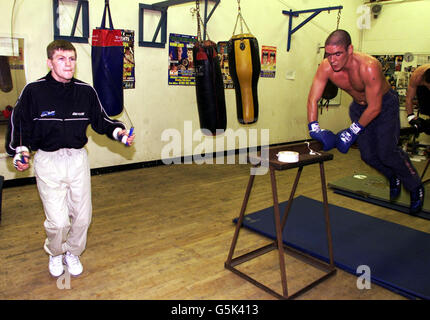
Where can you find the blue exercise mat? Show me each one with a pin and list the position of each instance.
(375, 189)
(398, 256)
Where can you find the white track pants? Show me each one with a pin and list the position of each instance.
(64, 184)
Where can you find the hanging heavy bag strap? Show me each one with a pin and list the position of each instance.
(106, 9)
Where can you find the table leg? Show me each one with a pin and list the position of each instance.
(279, 233)
(240, 220)
(290, 200)
(326, 213)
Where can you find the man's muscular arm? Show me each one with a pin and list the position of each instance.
(410, 94)
(326, 137)
(374, 83)
(317, 89)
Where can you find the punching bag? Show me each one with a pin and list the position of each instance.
(245, 67)
(5, 75)
(107, 56)
(209, 87)
(330, 92)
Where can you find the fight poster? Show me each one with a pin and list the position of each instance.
(129, 65)
(268, 62)
(396, 77)
(181, 65)
(223, 60)
(391, 64)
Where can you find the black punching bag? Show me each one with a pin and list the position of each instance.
(209, 87)
(5, 75)
(330, 90)
(245, 67)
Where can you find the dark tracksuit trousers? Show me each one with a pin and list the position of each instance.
(378, 143)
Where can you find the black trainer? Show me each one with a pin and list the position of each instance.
(417, 200)
(395, 188)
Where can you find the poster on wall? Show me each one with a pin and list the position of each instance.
(268, 62)
(399, 68)
(181, 66)
(129, 66)
(392, 69)
(223, 60)
(390, 65)
(397, 71)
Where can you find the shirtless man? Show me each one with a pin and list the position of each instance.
(374, 114)
(419, 85)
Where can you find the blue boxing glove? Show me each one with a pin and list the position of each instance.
(326, 137)
(346, 138)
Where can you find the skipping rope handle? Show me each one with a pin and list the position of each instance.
(124, 138)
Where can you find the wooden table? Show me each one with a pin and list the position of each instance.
(305, 158)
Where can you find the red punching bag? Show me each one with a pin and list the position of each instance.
(209, 84)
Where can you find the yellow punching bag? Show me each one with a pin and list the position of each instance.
(245, 67)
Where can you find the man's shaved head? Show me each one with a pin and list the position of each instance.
(338, 38)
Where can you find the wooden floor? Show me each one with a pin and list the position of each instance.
(3, 128)
(164, 233)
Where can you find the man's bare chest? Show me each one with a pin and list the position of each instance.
(348, 81)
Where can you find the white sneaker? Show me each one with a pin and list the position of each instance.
(56, 268)
(74, 265)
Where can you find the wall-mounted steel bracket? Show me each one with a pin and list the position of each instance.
(162, 24)
(292, 14)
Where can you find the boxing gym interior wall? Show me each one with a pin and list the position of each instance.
(154, 106)
(397, 25)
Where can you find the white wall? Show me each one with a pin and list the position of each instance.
(155, 106)
(401, 26)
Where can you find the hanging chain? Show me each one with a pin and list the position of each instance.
(239, 13)
(240, 18)
(199, 33)
(206, 30)
(338, 19)
(196, 11)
